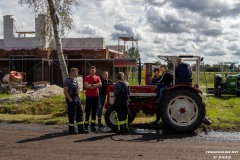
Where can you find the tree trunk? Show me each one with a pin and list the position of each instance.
(55, 23)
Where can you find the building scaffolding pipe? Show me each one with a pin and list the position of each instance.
(87, 59)
(85, 66)
(42, 70)
(33, 67)
(113, 76)
(25, 59)
(42, 60)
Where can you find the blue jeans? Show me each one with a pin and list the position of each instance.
(162, 91)
(101, 103)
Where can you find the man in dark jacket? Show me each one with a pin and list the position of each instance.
(154, 81)
(183, 72)
(121, 95)
(156, 76)
(165, 81)
(102, 95)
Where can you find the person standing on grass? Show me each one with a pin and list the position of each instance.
(102, 95)
(71, 92)
(92, 84)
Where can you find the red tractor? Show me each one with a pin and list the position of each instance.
(182, 108)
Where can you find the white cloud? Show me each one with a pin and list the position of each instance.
(206, 28)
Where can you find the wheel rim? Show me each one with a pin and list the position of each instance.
(113, 117)
(182, 111)
(13, 91)
(24, 90)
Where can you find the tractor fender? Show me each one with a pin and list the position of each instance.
(185, 86)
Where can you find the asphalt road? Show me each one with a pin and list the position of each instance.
(50, 142)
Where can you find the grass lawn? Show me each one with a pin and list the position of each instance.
(224, 112)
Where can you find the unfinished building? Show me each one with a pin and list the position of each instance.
(37, 56)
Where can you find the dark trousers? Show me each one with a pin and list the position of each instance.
(121, 109)
(74, 110)
(91, 106)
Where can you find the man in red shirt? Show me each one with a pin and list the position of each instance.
(92, 83)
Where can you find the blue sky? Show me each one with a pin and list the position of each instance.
(208, 28)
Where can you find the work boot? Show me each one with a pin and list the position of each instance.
(71, 130)
(126, 131)
(156, 122)
(100, 123)
(81, 129)
(93, 127)
(86, 126)
(121, 131)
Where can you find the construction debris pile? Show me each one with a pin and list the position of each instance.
(47, 92)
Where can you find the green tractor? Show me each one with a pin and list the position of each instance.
(230, 84)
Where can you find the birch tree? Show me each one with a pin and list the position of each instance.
(61, 19)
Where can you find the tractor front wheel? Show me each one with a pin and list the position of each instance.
(111, 118)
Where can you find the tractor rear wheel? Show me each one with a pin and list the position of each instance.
(238, 93)
(111, 118)
(183, 110)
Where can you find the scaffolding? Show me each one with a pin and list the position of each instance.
(125, 40)
(41, 62)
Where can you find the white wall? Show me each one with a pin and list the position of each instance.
(83, 43)
(119, 48)
(43, 38)
(2, 44)
(23, 42)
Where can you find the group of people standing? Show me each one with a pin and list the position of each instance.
(96, 91)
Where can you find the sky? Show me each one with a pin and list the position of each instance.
(207, 28)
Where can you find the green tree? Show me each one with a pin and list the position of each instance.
(133, 53)
(61, 18)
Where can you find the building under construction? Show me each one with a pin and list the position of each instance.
(37, 56)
